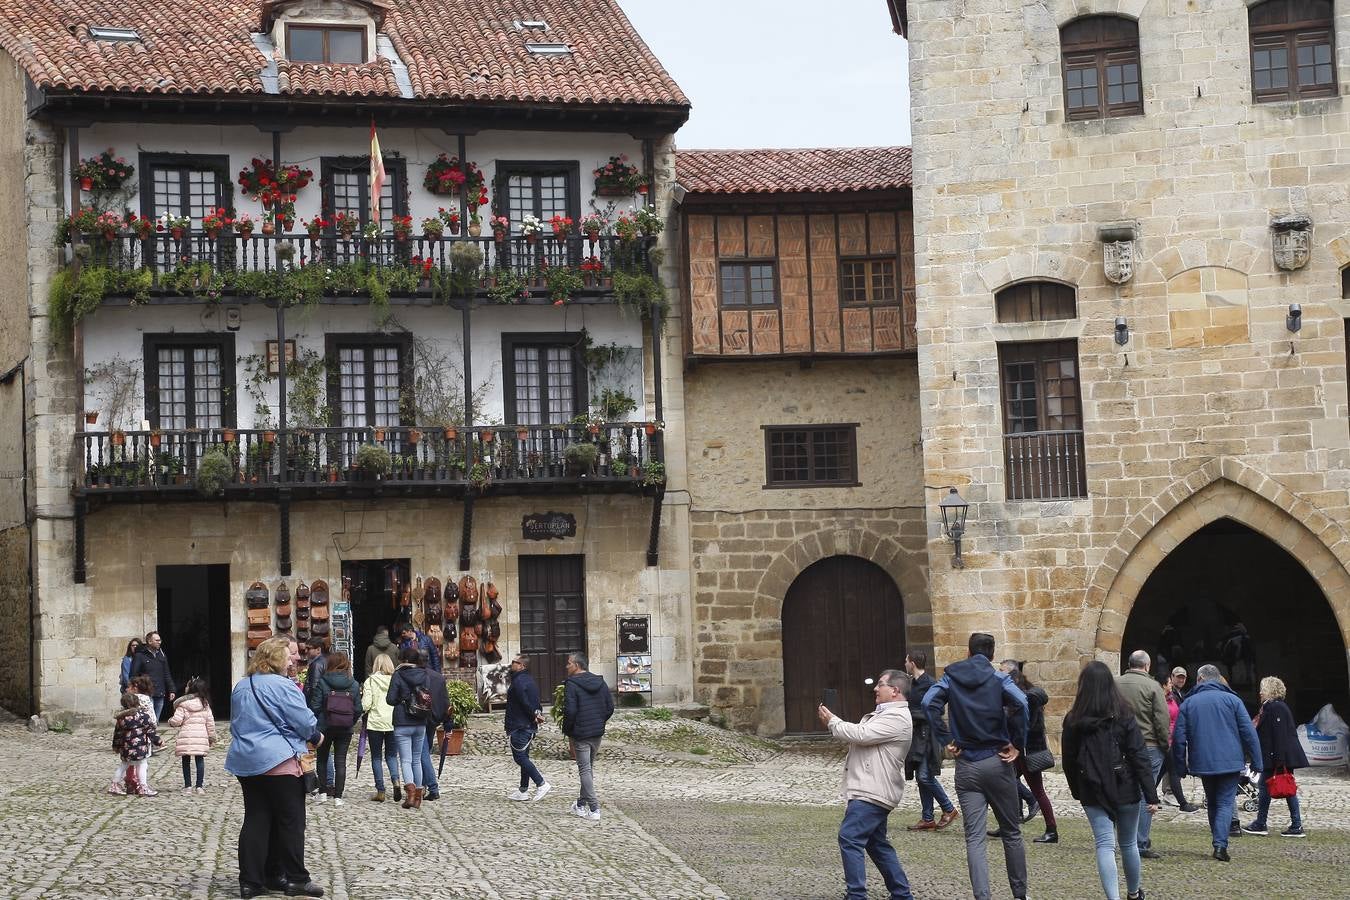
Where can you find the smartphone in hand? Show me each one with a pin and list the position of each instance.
(830, 700)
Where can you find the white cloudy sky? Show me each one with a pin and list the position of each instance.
(781, 74)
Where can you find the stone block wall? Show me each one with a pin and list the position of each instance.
(1006, 190)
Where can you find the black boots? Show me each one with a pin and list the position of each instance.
(1050, 837)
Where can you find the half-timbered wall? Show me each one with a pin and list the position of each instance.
(808, 314)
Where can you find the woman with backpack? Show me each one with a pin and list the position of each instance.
(1107, 768)
(411, 700)
(336, 702)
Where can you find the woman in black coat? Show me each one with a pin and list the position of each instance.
(1280, 749)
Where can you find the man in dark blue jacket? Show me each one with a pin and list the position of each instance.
(523, 716)
(986, 740)
(587, 706)
(421, 642)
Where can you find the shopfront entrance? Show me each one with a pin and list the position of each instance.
(552, 616)
(193, 612)
(376, 586)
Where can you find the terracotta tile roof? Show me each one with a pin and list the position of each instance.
(460, 50)
(828, 170)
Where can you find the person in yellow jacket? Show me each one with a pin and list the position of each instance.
(874, 782)
(380, 726)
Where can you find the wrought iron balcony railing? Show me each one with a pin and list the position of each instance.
(177, 262)
(1045, 465)
(613, 456)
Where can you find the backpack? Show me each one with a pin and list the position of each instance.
(339, 709)
(1103, 769)
(419, 703)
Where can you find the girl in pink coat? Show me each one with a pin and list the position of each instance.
(196, 731)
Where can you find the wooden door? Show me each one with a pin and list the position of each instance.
(843, 621)
(552, 616)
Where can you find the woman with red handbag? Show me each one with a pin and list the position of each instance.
(1281, 753)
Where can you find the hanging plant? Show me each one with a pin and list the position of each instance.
(447, 174)
(104, 172)
(617, 178)
(214, 471)
(275, 187)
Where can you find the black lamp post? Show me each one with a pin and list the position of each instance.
(954, 511)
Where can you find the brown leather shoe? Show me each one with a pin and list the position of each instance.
(947, 819)
(923, 825)
(408, 795)
(417, 797)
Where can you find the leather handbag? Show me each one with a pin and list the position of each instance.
(1281, 784)
(259, 617)
(1040, 760)
(468, 640)
(256, 596)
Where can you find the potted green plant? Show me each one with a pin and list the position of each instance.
(581, 457)
(214, 471)
(480, 476)
(557, 710)
(373, 460)
(463, 703)
(653, 473)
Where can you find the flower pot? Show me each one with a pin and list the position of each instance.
(246, 233)
(269, 228)
(155, 440)
(499, 236)
(109, 235)
(118, 438)
(523, 433)
(433, 235)
(475, 229)
(632, 471)
(213, 233)
(228, 435)
(488, 436)
(332, 475)
(177, 233)
(593, 429)
(451, 434)
(454, 742)
(454, 227)
(269, 436)
(86, 184)
(531, 237)
(650, 428)
(642, 189)
(91, 418)
(414, 436)
(379, 434)
(593, 236)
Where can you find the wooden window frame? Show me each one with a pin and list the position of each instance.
(217, 163)
(326, 30)
(570, 168)
(223, 342)
(571, 339)
(1099, 56)
(869, 261)
(396, 170)
(335, 341)
(850, 478)
(1037, 307)
(1043, 489)
(747, 262)
(1288, 36)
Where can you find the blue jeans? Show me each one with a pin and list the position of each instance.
(520, 752)
(382, 751)
(428, 770)
(1145, 837)
(158, 704)
(1106, 834)
(930, 789)
(864, 830)
(1263, 807)
(410, 739)
(1220, 803)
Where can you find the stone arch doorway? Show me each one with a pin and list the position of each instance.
(843, 621)
(1231, 596)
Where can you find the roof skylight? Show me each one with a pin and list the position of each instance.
(111, 33)
(530, 25)
(549, 49)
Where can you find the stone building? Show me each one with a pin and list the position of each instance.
(801, 421)
(1131, 238)
(380, 406)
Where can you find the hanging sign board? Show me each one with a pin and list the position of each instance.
(548, 526)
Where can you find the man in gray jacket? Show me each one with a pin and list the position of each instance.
(1146, 698)
(874, 782)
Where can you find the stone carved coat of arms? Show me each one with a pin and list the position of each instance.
(1291, 248)
(1118, 261)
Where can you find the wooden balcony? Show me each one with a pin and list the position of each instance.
(323, 462)
(198, 266)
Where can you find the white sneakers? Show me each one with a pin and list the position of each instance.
(337, 801)
(542, 791)
(582, 812)
(518, 795)
(594, 815)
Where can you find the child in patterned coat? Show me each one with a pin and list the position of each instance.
(133, 734)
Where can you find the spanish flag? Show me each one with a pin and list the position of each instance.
(377, 173)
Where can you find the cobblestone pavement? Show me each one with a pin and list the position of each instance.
(686, 808)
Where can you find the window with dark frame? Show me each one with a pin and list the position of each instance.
(1035, 301)
(368, 377)
(189, 381)
(811, 456)
(1100, 59)
(185, 185)
(869, 280)
(326, 44)
(346, 187)
(1293, 50)
(752, 284)
(546, 381)
(539, 189)
(1042, 420)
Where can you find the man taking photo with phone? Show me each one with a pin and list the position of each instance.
(874, 782)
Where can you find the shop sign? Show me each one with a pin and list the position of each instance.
(548, 526)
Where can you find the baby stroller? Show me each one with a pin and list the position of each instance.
(1246, 789)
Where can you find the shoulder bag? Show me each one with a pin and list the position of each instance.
(1040, 760)
(1281, 784)
(306, 760)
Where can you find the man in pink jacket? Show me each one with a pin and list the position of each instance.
(874, 782)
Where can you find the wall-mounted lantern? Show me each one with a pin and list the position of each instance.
(1122, 331)
(954, 510)
(1294, 321)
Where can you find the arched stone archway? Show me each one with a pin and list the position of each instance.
(1222, 489)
